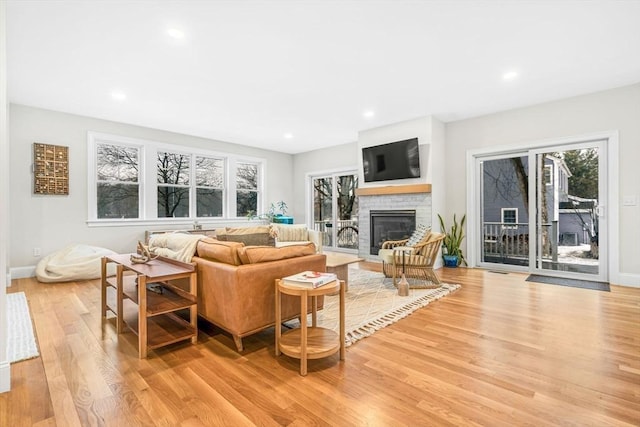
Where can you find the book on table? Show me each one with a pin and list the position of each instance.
(312, 279)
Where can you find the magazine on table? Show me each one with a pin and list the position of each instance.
(312, 279)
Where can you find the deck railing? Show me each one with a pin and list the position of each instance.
(511, 240)
(347, 234)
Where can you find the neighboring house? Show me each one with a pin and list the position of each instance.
(505, 212)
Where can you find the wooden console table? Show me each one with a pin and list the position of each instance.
(312, 342)
(150, 315)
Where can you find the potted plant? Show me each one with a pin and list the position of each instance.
(272, 214)
(451, 252)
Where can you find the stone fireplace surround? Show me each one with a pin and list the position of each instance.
(420, 202)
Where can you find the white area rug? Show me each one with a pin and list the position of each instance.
(21, 343)
(373, 303)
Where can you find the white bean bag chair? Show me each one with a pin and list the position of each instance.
(74, 262)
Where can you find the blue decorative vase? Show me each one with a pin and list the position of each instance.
(450, 260)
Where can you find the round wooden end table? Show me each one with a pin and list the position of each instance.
(309, 342)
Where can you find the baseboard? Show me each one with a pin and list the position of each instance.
(627, 279)
(23, 272)
(5, 376)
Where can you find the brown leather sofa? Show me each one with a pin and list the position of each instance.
(236, 283)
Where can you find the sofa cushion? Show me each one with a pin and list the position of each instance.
(260, 235)
(258, 254)
(220, 251)
(292, 233)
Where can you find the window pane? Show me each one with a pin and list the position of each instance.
(509, 216)
(209, 202)
(246, 201)
(173, 202)
(247, 176)
(117, 163)
(117, 200)
(209, 172)
(173, 168)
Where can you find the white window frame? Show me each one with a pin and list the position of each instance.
(502, 211)
(148, 185)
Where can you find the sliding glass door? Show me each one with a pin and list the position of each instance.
(542, 210)
(568, 211)
(335, 210)
(504, 213)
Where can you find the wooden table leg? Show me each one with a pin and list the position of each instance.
(103, 287)
(119, 296)
(314, 311)
(343, 289)
(142, 316)
(193, 289)
(278, 324)
(303, 333)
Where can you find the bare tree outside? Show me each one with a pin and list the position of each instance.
(246, 189)
(209, 186)
(347, 203)
(173, 184)
(117, 181)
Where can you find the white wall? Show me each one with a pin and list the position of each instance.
(52, 222)
(5, 369)
(616, 109)
(431, 137)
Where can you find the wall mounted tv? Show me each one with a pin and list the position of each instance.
(395, 160)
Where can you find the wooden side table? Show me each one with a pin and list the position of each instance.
(313, 342)
(151, 315)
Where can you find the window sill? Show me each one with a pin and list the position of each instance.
(204, 222)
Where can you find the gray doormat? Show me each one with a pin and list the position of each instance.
(585, 284)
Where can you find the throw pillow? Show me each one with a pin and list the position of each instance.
(251, 236)
(258, 254)
(417, 236)
(292, 233)
(220, 251)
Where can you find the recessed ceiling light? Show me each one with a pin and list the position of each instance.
(510, 75)
(288, 135)
(368, 114)
(117, 95)
(175, 33)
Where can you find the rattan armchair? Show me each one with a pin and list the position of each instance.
(415, 262)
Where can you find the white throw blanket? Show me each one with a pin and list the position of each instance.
(74, 262)
(179, 246)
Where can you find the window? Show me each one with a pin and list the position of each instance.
(117, 181)
(136, 181)
(246, 189)
(173, 184)
(209, 186)
(509, 216)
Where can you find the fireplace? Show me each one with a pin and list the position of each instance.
(390, 225)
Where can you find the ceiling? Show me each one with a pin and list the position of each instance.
(294, 76)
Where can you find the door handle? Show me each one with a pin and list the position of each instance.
(600, 211)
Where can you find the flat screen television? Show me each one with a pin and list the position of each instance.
(395, 160)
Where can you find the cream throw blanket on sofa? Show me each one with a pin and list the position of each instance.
(179, 246)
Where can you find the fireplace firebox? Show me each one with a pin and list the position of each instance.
(390, 225)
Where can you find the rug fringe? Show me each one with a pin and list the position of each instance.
(393, 316)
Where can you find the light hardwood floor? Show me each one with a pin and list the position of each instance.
(499, 351)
